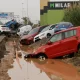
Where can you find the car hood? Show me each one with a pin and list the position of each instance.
(41, 49)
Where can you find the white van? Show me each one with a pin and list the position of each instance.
(24, 30)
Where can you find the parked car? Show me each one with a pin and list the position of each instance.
(24, 30)
(12, 24)
(4, 30)
(62, 26)
(42, 27)
(28, 39)
(62, 43)
(47, 32)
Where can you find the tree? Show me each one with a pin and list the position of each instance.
(72, 14)
(27, 21)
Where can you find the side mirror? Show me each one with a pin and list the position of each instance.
(49, 43)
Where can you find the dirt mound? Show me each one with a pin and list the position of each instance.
(31, 48)
(75, 61)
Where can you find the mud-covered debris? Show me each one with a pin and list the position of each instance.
(31, 48)
(75, 61)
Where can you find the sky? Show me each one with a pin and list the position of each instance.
(19, 7)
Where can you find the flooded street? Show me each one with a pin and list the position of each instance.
(16, 67)
(23, 70)
(34, 69)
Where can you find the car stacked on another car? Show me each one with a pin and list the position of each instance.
(51, 29)
(28, 39)
(23, 30)
(65, 42)
(45, 33)
(62, 26)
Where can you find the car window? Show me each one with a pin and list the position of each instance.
(64, 25)
(45, 29)
(75, 32)
(52, 27)
(70, 33)
(33, 31)
(60, 25)
(71, 25)
(56, 37)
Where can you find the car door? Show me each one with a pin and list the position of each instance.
(56, 48)
(70, 41)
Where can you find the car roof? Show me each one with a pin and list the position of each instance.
(68, 29)
(64, 23)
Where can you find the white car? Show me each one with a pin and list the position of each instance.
(45, 33)
(4, 29)
(24, 30)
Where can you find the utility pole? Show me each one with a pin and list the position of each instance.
(27, 12)
(22, 9)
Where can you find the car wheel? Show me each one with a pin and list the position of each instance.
(48, 35)
(41, 57)
(78, 51)
(27, 56)
(71, 55)
(23, 42)
(0, 32)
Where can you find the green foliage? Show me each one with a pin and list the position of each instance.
(27, 21)
(72, 14)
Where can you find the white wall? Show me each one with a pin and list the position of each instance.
(63, 0)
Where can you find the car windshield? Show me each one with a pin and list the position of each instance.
(33, 31)
(41, 28)
(45, 29)
(52, 27)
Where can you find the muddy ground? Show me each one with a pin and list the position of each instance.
(75, 61)
(7, 61)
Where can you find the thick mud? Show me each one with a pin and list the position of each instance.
(6, 60)
(14, 67)
(34, 69)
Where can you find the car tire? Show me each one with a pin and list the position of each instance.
(78, 51)
(42, 57)
(71, 55)
(0, 32)
(27, 56)
(23, 42)
(48, 35)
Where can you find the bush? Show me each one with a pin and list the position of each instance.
(72, 14)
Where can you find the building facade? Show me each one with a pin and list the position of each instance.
(52, 11)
